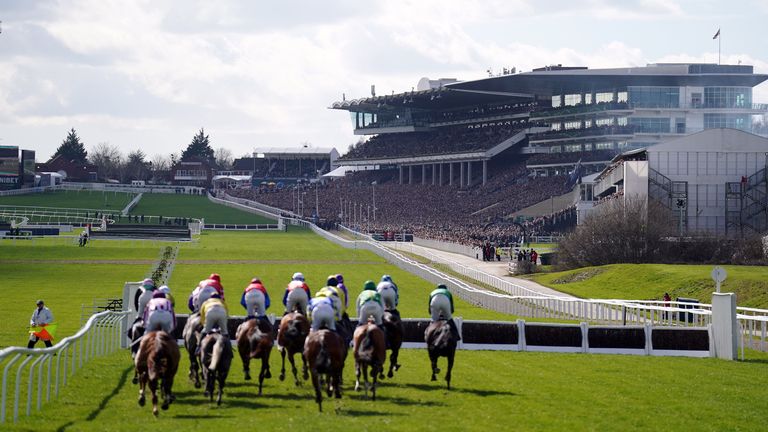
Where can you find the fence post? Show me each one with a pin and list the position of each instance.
(584, 337)
(521, 335)
(725, 327)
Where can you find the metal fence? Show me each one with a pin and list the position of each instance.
(49, 368)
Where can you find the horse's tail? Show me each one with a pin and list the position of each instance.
(218, 351)
(323, 360)
(366, 351)
(159, 360)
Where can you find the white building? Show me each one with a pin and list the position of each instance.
(714, 181)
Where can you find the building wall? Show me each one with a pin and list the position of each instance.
(636, 178)
(706, 172)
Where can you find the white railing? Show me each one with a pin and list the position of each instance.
(101, 335)
(248, 206)
(25, 191)
(517, 300)
(447, 246)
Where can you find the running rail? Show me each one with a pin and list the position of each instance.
(99, 336)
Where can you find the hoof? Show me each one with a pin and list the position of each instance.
(164, 407)
(390, 374)
(135, 380)
(436, 371)
(142, 401)
(154, 411)
(282, 377)
(397, 367)
(198, 385)
(268, 374)
(247, 377)
(434, 378)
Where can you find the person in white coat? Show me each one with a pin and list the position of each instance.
(41, 316)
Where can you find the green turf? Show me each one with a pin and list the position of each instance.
(650, 281)
(491, 391)
(64, 287)
(114, 201)
(65, 248)
(194, 206)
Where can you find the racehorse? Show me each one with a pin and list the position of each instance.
(191, 336)
(216, 359)
(254, 340)
(324, 351)
(134, 334)
(157, 361)
(294, 328)
(441, 342)
(370, 350)
(393, 331)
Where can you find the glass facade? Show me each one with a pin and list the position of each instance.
(727, 97)
(650, 124)
(734, 121)
(654, 97)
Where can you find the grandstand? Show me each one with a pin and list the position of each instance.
(460, 161)
(286, 164)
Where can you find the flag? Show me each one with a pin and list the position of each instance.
(716, 34)
(575, 175)
(45, 332)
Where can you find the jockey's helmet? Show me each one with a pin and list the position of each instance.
(158, 294)
(369, 285)
(164, 289)
(298, 276)
(340, 278)
(148, 284)
(255, 280)
(442, 286)
(39, 302)
(332, 281)
(386, 278)
(215, 276)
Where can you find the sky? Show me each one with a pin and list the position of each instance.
(255, 74)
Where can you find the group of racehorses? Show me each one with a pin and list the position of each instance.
(323, 353)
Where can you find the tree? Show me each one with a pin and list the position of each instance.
(621, 230)
(199, 147)
(136, 167)
(224, 158)
(72, 149)
(107, 159)
(161, 166)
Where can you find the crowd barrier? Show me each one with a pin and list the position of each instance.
(49, 368)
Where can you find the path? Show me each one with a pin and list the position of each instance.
(495, 268)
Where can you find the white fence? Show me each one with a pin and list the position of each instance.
(101, 335)
(447, 246)
(248, 206)
(25, 191)
(510, 298)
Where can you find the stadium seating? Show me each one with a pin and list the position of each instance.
(458, 139)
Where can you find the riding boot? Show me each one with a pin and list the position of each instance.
(454, 329)
(31, 344)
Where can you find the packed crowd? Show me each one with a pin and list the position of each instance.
(592, 130)
(279, 168)
(444, 140)
(436, 212)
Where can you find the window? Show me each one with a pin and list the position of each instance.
(588, 98)
(650, 124)
(603, 97)
(572, 99)
(556, 101)
(727, 97)
(734, 121)
(573, 125)
(604, 146)
(654, 97)
(622, 97)
(570, 148)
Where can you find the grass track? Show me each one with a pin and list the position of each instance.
(114, 201)
(172, 205)
(650, 281)
(492, 391)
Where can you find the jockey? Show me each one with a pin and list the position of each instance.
(441, 307)
(213, 313)
(167, 291)
(336, 295)
(147, 290)
(296, 294)
(341, 286)
(255, 299)
(389, 295)
(322, 313)
(214, 280)
(369, 304)
(205, 292)
(159, 314)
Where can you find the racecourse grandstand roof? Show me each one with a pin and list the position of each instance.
(440, 98)
(562, 80)
(295, 153)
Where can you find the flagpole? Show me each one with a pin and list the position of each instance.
(719, 42)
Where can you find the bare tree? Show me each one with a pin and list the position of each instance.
(108, 160)
(160, 166)
(223, 158)
(622, 230)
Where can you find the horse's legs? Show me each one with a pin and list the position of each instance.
(393, 366)
(435, 370)
(375, 372)
(450, 367)
(153, 389)
(265, 364)
(222, 378)
(365, 378)
(304, 368)
(263, 372)
(293, 368)
(357, 376)
(336, 377)
(282, 367)
(318, 392)
(245, 356)
(142, 387)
